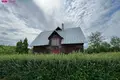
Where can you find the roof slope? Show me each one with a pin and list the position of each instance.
(70, 36)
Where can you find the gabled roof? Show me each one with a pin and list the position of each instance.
(58, 28)
(54, 32)
(70, 36)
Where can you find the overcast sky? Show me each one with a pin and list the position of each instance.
(27, 18)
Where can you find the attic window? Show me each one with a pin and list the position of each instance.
(55, 42)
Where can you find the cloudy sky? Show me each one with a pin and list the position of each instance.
(27, 18)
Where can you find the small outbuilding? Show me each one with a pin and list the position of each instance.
(59, 40)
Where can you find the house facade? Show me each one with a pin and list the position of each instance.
(59, 41)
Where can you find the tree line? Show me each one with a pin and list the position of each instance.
(97, 44)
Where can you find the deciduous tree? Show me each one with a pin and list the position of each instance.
(115, 42)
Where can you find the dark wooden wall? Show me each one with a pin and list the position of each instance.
(40, 49)
(66, 48)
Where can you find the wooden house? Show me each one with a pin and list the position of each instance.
(59, 40)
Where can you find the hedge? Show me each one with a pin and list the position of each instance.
(54, 68)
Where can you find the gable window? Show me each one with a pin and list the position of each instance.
(55, 42)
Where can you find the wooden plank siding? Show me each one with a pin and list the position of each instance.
(40, 49)
(68, 48)
(65, 48)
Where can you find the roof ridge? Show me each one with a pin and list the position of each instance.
(72, 28)
(64, 29)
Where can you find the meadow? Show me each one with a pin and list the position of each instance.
(74, 66)
(72, 56)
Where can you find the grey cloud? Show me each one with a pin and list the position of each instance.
(12, 30)
(4, 8)
(98, 15)
(7, 41)
(32, 15)
(90, 15)
(4, 33)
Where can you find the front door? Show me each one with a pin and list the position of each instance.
(55, 50)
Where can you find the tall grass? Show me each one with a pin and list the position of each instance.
(73, 56)
(75, 66)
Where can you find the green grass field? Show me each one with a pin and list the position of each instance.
(73, 56)
(76, 66)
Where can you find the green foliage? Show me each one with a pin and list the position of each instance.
(22, 47)
(105, 47)
(95, 40)
(19, 47)
(115, 42)
(97, 45)
(60, 67)
(7, 49)
(25, 45)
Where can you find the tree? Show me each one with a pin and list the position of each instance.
(25, 45)
(22, 47)
(115, 43)
(97, 45)
(19, 46)
(95, 40)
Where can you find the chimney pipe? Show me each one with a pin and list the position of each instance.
(62, 26)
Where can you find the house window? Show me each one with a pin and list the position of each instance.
(55, 42)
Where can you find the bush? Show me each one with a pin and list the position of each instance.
(60, 67)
